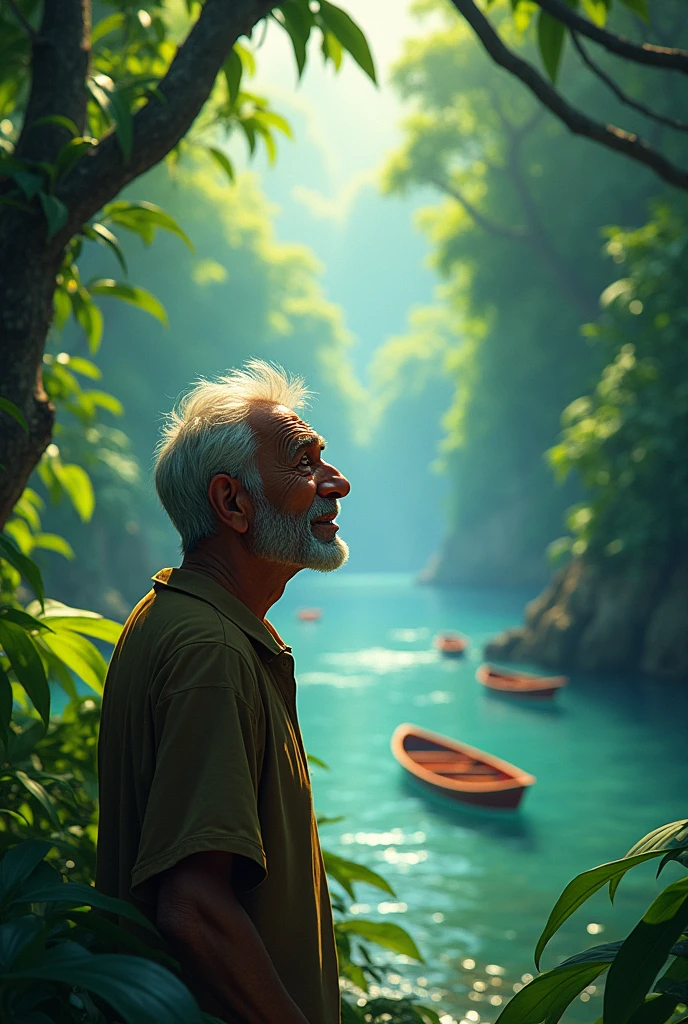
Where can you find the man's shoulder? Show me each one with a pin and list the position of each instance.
(178, 642)
(171, 620)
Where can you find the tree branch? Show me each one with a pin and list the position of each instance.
(165, 119)
(680, 126)
(489, 225)
(657, 56)
(580, 124)
(59, 64)
(24, 22)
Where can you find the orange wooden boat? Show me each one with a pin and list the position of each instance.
(522, 684)
(458, 771)
(309, 614)
(451, 644)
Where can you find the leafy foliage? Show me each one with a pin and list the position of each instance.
(627, 440)
(633, 992)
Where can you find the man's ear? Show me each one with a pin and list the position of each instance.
(230, 502)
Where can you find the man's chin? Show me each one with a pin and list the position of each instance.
(328, 556)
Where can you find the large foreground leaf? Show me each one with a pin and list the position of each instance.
(389, 936)
(581, 888)
(346, 872)
(644, 952)
(140, 991)
(546, 998)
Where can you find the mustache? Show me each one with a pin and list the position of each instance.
(323, 507)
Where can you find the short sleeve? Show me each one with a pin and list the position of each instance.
(204, 792)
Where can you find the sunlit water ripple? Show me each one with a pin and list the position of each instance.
(475, 889)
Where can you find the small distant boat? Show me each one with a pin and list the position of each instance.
(309, 614)
(451, 644)
(522, 684)
(458, 771)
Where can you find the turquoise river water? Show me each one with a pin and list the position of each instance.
(474, 888)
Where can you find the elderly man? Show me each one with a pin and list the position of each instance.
(206, 815)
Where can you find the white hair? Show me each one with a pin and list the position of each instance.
(208, 434)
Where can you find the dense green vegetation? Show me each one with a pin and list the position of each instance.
(517, 238)
(627, 440)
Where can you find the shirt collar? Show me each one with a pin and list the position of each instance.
(202, 587)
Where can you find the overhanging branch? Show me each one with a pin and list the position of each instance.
(579, 123)
(166, 118)
(642, 53)
(489, 225)
(670, 122)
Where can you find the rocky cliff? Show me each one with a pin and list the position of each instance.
(594, 618)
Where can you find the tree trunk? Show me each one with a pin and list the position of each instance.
(27, 276)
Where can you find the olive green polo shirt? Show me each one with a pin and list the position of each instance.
(200, 750)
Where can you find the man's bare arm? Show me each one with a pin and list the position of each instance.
(223, 959)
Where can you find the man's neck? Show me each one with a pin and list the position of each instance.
(255, 582)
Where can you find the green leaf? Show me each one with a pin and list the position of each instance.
(39, 793)
(6, 702)
(547, 996)
(11, 409)
(550, 33)
(21, 744)
(95, 626)
(89, 317)
(58, 119)
(19, 863)
(107, 25)
(297, 22)
(76, 894)
(666, 837)
(668, 904)
(233, 69)
(657, 1009)
(23, 619)
(144, 219)
(53, 542)
(312, 759)
(27, 666)
(223, 161)
(132, 294)
(55, 211)
(99, 233)
(643, 953)
(581, 888)
(139, 991)
(79, 655)
(638, 7)
(26, 566)
(85, 367)
(389, 936)
(70, 154)
(77, 484)
(349, 35)
(596, 10)
(332, 49)
(119, 937)
(115, 107)
(29, 183)
(347, 872)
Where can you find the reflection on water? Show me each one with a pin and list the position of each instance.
(475, 889)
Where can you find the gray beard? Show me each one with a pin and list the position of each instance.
(289, 540)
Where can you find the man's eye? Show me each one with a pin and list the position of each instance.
(305, 462)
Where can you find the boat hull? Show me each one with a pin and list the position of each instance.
(458, 772)
(520, 684)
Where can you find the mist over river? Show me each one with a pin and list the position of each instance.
(475, 889)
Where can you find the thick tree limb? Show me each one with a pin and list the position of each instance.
(161, 123)
(579, 123)
(645, 53)
(59, 64)
(670, 122)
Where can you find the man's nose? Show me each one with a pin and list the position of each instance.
(332, 483)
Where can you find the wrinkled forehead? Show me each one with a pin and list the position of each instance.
(280, 431)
